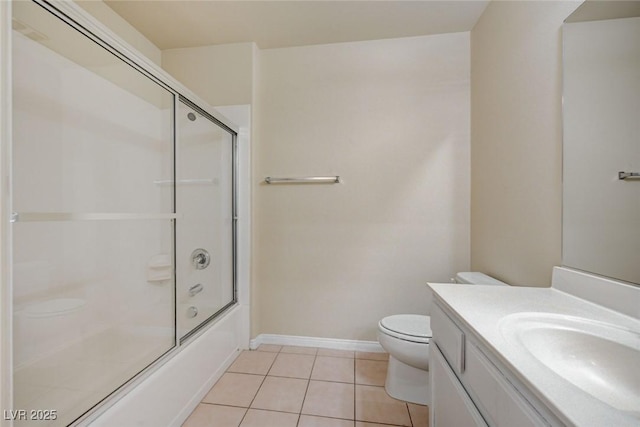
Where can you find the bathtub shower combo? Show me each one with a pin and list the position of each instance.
(124, 224)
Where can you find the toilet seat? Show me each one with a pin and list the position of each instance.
(408, 327)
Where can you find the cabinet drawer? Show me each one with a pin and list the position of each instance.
(500, 403)
(449, 338)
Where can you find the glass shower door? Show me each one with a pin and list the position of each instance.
(204, 201)
(93, 228)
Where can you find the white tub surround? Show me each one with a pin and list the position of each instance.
(167, 395)
(524, 334)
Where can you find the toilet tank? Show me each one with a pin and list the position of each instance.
(477, 278)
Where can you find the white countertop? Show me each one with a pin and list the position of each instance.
(480, 308)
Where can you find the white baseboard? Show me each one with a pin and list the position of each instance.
(332, 343)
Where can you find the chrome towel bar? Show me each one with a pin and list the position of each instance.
(628, 175)
(304, 180)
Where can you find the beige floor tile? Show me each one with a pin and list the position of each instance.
(337, 369)
(234, 389)
(419, 415)
(292, 365)
(335, 353)
(253, 362)
(371, 356)
(258, 418)
(329, 399)
(374, 405)
(299, 350)
(269, 347)
(313, 421)
(371, 372)
(206, 415)
(281, 394)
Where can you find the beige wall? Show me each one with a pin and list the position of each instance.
(391, 117)
(345, 110)
(122, 28)
(516, 140)
(221, 75)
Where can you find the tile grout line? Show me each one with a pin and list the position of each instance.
(309, 379)
(354, 389)
(257, 391)
(308, 384)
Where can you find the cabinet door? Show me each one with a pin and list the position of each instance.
(501, 404)
(451, 406)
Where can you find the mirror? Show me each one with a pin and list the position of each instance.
(601, 139)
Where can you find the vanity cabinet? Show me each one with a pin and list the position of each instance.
(450, 403)
(468, 389)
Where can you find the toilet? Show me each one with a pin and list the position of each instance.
(406, 338)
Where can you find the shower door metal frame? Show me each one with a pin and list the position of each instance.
(74, 16)
(234, 214)
(6, 297)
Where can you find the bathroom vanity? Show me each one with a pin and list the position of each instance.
(560, 356)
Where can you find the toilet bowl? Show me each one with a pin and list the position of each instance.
(406, 338)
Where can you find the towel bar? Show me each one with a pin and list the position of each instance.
(304, 180)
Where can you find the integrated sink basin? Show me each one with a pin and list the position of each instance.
(599, 358)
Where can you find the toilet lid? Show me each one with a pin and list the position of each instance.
(409, 325)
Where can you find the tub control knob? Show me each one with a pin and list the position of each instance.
(200, 259)
(195, 289)
(192, 312)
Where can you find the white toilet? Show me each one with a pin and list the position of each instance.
(406, 338)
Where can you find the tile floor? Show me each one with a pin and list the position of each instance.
(305, 387)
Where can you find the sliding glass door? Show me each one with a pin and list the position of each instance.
(93, 228)
(205, 228)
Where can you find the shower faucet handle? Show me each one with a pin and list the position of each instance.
(200, 259)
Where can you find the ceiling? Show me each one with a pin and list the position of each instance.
(599, 10)
(173, 24)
